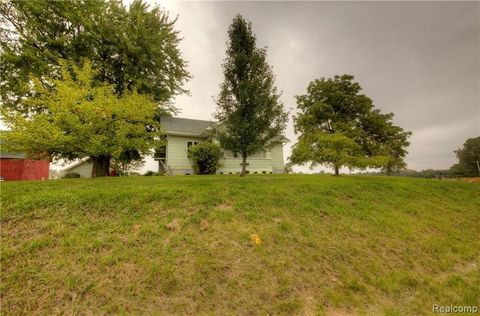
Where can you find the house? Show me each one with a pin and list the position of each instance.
(14, 166)
(181, 134)
(82, 167)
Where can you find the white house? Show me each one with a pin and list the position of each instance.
(182, 133)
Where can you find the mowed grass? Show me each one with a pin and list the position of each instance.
(182, 245)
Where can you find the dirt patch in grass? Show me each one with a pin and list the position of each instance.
(223, 207)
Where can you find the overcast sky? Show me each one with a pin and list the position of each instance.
(419, 60)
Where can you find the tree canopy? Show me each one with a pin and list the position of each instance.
(468, 159)
(250, 113)
(134, 48)
(77, 117)
(339, 126)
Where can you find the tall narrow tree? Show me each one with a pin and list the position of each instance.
(250, 113)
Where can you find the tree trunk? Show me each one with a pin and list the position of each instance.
(244, 165)
(389, 171)
(337, 170)
(101, 166)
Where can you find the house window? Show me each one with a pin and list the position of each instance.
(161, 153)
(190, 144)
(230, 154)
(260, 155)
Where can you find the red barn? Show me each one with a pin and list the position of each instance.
(14, 166)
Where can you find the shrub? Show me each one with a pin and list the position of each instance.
(205, 157)
(71, 175)
(255, 172)
(264, 172)
(149, 173)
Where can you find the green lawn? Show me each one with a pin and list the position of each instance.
(183, 245)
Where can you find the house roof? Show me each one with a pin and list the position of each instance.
(78, 163)
(283, 139)
(190, 127)
(183, 126)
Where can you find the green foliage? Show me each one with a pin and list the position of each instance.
(153, 173)
(424, 173)
(127, 161)
(339, 126)
(76, 117)
(335, 150)
(71, 175)
(468, 157)
(135, 48)
(249, 110)
(205, 157)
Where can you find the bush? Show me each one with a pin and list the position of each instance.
(71, 175)
(149, 173)
(205, 157)
(264, 172)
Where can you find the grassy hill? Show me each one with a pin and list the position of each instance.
(184, 245)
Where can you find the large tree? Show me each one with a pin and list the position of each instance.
(339, 126)
(468, 159)
(134, 48)
(386, 140)
(76, 117)
(250, 113)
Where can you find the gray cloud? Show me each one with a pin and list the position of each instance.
(419, 60)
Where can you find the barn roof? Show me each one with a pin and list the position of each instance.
(11, 155)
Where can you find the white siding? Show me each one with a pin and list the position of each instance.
(278, 164)
(84, 169)
(177, 160)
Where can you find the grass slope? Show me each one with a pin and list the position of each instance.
(182, 245)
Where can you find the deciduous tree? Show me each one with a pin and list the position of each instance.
(468, 159)
(72, 116)
(339, 126)
(134, 48)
